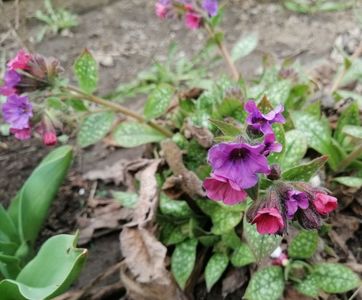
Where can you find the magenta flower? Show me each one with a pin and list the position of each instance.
(210, 6)
(222, 189)
(296, 200)
(238, 162)
(11, 79)
(324, 203)
(163, 8)
(268, 220)
(260, 122)
(270, 145)
(21, 134)
(20, 61)
(192, 19)
(17, 111)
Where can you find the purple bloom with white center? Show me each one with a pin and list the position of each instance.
(270, 145)
(211, 7)
(296, 200)
(17, 111)
(11, 79)
(239, 162)
(262, 122)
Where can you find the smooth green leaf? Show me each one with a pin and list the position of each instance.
(266, 284)
(242, 256)
(350, 116)
(306, 171)
(308, 286)
(355, 182)
(304, 244)
(133, 134)
(215, 268)
(127, 199)
(174, 208)
(49, 274)
(95, 127)
(183, 261)
(295, 149)
(226, 128)
(262, 245)
(244, 46)
(335, 278)
(7, 226)
(30, 207)
(86, 72)
(158, 101)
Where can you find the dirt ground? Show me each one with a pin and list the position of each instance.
(126, 38)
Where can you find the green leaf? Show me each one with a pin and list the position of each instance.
(183, 261)
(127, 199)
(262, 245)
(174, 208)
(308, 286)
(335, 278)
(295, 149)
(49, 274)
(158, 101)
(173, 234)
(280, 138)
(226, 128)
(7, 227)
(86, 72)
(266, 284)
(30, 207)
(306, 171)
(215, 268)
(244, 46)
(95, 127)
(133, 134)
(350, 116)
(304, 244)
(353, 131)
(231, 239)
(350, 181)
(279, 92)
(242, 256)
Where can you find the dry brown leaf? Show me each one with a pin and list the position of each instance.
(234, 279)
(201, 134)
(292, 294)
(172, 187)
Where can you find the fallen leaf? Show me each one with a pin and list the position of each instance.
(234, 279)
(292, 294)
(172, 187)
(201, 134)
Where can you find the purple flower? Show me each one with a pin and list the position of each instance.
(210, 6)
(17, 111)
(238, 162)
(11, 79)
(221, 189)
(296, 200)
(270, 145)
(262, 122)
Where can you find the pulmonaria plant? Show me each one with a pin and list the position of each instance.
(238, 165)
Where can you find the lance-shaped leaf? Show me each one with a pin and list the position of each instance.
(350, 116)
(355, 182)
(306, 171)
(280, 138)
(304, 244)
(242, 256)
(215, 268)
(158, 101)
(308, 286)
(266, 284)
(86, 71)
(244, 46)
(279, 92)
(174, 208)
(49, 274)
(295, 148)
(30, 207)
(226, 128)
(353, 131)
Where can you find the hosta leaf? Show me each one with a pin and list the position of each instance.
(335, 278)
(278, 93)
(49, 274)
(30, 207)
(244, 46)
(295, 149)
(350, 116)
(86, 71)
(183, 261)
(133, 134)
(226, 128)
(215, 268)
(353, 131)
(306, 171)
(308, 286)
(355, 182)
(95, 127)
(261, 245)
(174, 208)
(158, 101)
(304, 244)
(242, 256)
(266, 284)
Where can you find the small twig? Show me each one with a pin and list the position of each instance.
(355, 293)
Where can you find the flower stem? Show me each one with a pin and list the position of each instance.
(118, 108)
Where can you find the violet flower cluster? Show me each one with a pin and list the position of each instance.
(236, 167)
(166, 9)
(27, 73)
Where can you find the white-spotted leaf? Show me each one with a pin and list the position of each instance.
(158, 101)
(244, 46)
(215, 268)
(86, 72)
(242, 256)
(304, 244)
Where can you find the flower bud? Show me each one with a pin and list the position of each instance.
(309, 218)
(275, 172)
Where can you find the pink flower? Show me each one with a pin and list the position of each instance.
(21, 134)
(219, 188)
(192, 19)
(268, 220)
(324, 203)
(162, 10)
(20, 61)
(49, 138)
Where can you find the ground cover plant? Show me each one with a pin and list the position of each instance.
(236, 184)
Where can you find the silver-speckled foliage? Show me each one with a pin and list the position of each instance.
(304, 244)
(215, 268)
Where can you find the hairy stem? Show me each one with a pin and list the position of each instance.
(118, 108)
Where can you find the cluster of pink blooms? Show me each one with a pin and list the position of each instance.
(27, 73)
(192, 17)
(236, 167)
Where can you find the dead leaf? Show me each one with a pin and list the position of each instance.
(172, 187)
(201, 134)
(292, 294)
(234, 279)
